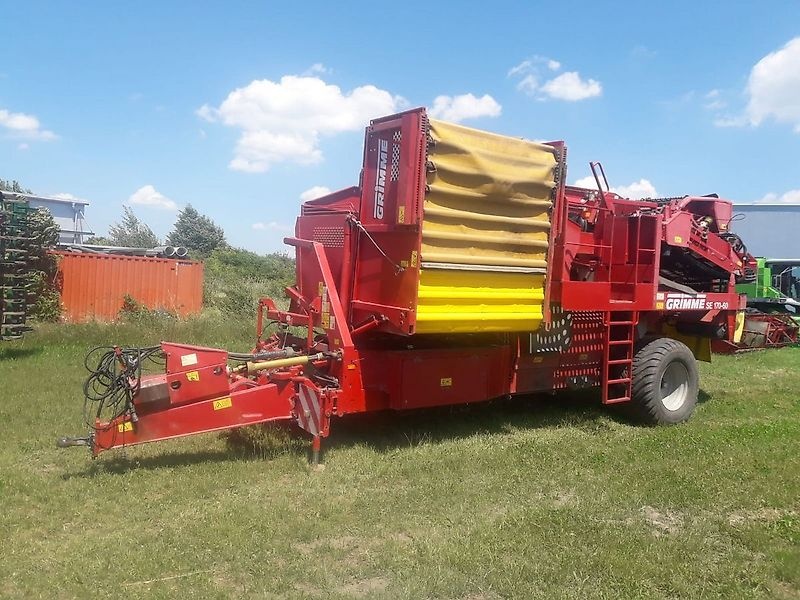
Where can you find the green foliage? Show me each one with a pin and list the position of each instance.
(236, 279)
(196, 232)
(44, 300)
(12, 185)
(131, 232)
(99, 240)
(133, 311)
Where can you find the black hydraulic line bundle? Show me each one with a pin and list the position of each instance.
(114, 380)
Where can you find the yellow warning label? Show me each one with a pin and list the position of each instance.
(192, 375)
(413, 258)
(222, 403)
(659, 306)
(677, 239)
(446, 381)
(538, 359)
(401, 214)
(404, 264)
(126, 426)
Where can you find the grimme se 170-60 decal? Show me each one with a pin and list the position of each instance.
(677, 301)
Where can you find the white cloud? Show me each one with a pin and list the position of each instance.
(773, 91)
(570, 87)
(635, 191)
(528, 84)
(147, 195)
(23, 146)
(271, 226)
(464, 106)
(738, 121)
(530, 65)
(314, 192)
(24, 126)
(714, 100)
(774, 87)
(524, 67)
(790, 197)
(283, 121)
(317, 69)
(642, 52)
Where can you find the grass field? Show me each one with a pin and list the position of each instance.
(531, 498)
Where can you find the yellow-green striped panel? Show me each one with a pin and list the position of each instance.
(486, 211)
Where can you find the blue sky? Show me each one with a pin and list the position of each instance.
(239, 108)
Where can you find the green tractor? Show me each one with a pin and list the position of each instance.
(772, 319)
(776, 288)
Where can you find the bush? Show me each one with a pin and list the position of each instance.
(44, 300)
(133, 311)
(236, 279)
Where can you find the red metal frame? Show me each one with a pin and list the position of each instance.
(355, 298)
(762, 331)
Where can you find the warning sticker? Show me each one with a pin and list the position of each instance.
(126, 426)
(222, 403)
(187, 360)
(192, 375)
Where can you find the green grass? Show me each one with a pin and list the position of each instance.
(531, 498)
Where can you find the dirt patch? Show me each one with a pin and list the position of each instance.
(562, 499)
(310, 590)
(344, 542)
(761, 515)
(364, 587)
(784, 591)
(662, 522)
(400, 537)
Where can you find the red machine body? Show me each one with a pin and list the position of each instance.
(618, 271)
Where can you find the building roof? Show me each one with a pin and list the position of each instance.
(38, 198)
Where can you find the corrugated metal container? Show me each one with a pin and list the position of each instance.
(93, 285)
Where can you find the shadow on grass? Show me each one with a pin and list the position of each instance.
(387, 431)
(17, 353)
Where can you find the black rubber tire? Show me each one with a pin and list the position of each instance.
(650, 363)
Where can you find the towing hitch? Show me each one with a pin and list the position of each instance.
(68, 442)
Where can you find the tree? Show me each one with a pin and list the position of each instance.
(131, 232)
(44, 299)
(9, 185)
(196, 232)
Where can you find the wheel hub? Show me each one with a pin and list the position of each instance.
(674, 386)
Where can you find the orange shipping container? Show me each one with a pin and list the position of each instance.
(93, 285)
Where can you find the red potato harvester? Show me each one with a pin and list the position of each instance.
(462, 268)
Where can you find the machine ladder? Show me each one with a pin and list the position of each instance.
(617, 369)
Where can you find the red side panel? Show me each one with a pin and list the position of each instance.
(393, 184)
(408, 379)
